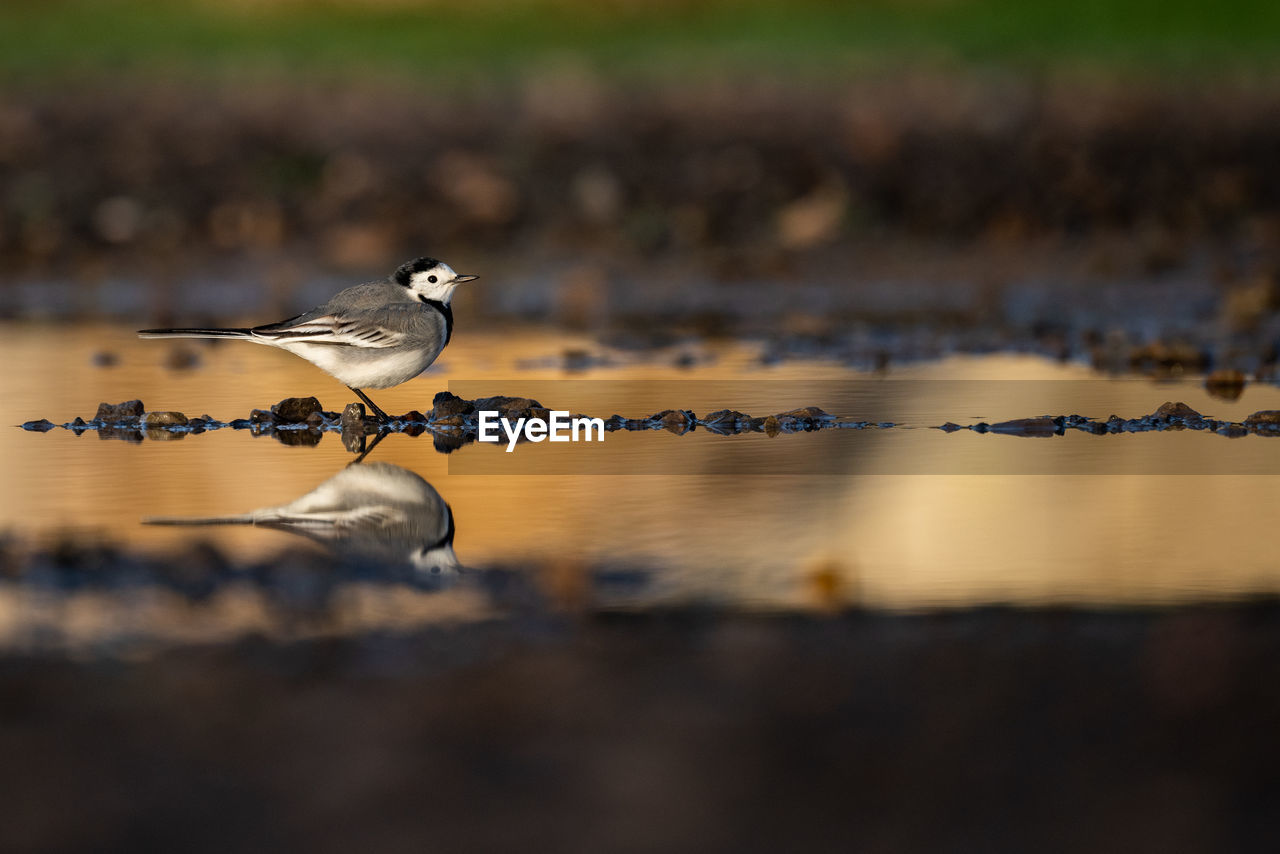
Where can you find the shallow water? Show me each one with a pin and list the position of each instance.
(901, 518)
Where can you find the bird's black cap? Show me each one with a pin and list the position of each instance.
(406, 270)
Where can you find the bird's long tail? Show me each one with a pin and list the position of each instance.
(199, 520)
(194, 333)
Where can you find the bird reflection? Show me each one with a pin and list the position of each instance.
(373, 513)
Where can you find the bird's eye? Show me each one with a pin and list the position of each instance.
(432, 279)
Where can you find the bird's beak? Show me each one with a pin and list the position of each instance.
(457, 280)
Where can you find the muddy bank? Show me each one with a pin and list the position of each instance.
(1051, 730)
(869, 220)
(746, 180)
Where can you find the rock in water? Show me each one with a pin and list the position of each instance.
(1266, 419)
(677, 421)
(44, 425)
(164, 419)
(112, 413)
(512, 407)
(1169, 409)
(807, 413)
(445, 404)
(353, 418)
(296, 410)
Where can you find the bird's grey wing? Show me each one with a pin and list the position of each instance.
(359, 329)
(372, 316)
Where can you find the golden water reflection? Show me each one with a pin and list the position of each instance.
(868, 535)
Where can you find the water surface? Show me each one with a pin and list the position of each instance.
(901, 518)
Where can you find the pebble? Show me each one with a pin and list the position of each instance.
(164, 419)
(446, 404)
(296, 410)
(1264, 418)
(111, 413)
(353, 419)
(1170, 409)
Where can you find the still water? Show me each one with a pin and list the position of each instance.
(901, 518)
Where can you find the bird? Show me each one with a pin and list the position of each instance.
(372, 513)
(374, 335)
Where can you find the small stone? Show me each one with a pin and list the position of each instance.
(1233, 431)
(950, 427)
(676, 421)
(296, 410)
(44, 425)
(240, 423)
(445, 404)
(413, 416)
(353, 419)
(807, 413)
(1267, 419)
(508, 407)
(316, 420)
(725, 421)
(262, 416)
(772, 427)
(114, 413)
(164, 419)
(1169, 409)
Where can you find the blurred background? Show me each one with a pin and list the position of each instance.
(681, 166)
(871, 658)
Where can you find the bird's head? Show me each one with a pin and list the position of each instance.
(436, 562)
(429, 279)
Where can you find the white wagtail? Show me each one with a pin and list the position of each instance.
(370, 511)
(374, 335)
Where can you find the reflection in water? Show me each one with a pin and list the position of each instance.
(368, 514)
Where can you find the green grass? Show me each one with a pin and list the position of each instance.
(442, 39)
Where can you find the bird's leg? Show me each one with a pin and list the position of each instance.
(381, 416)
